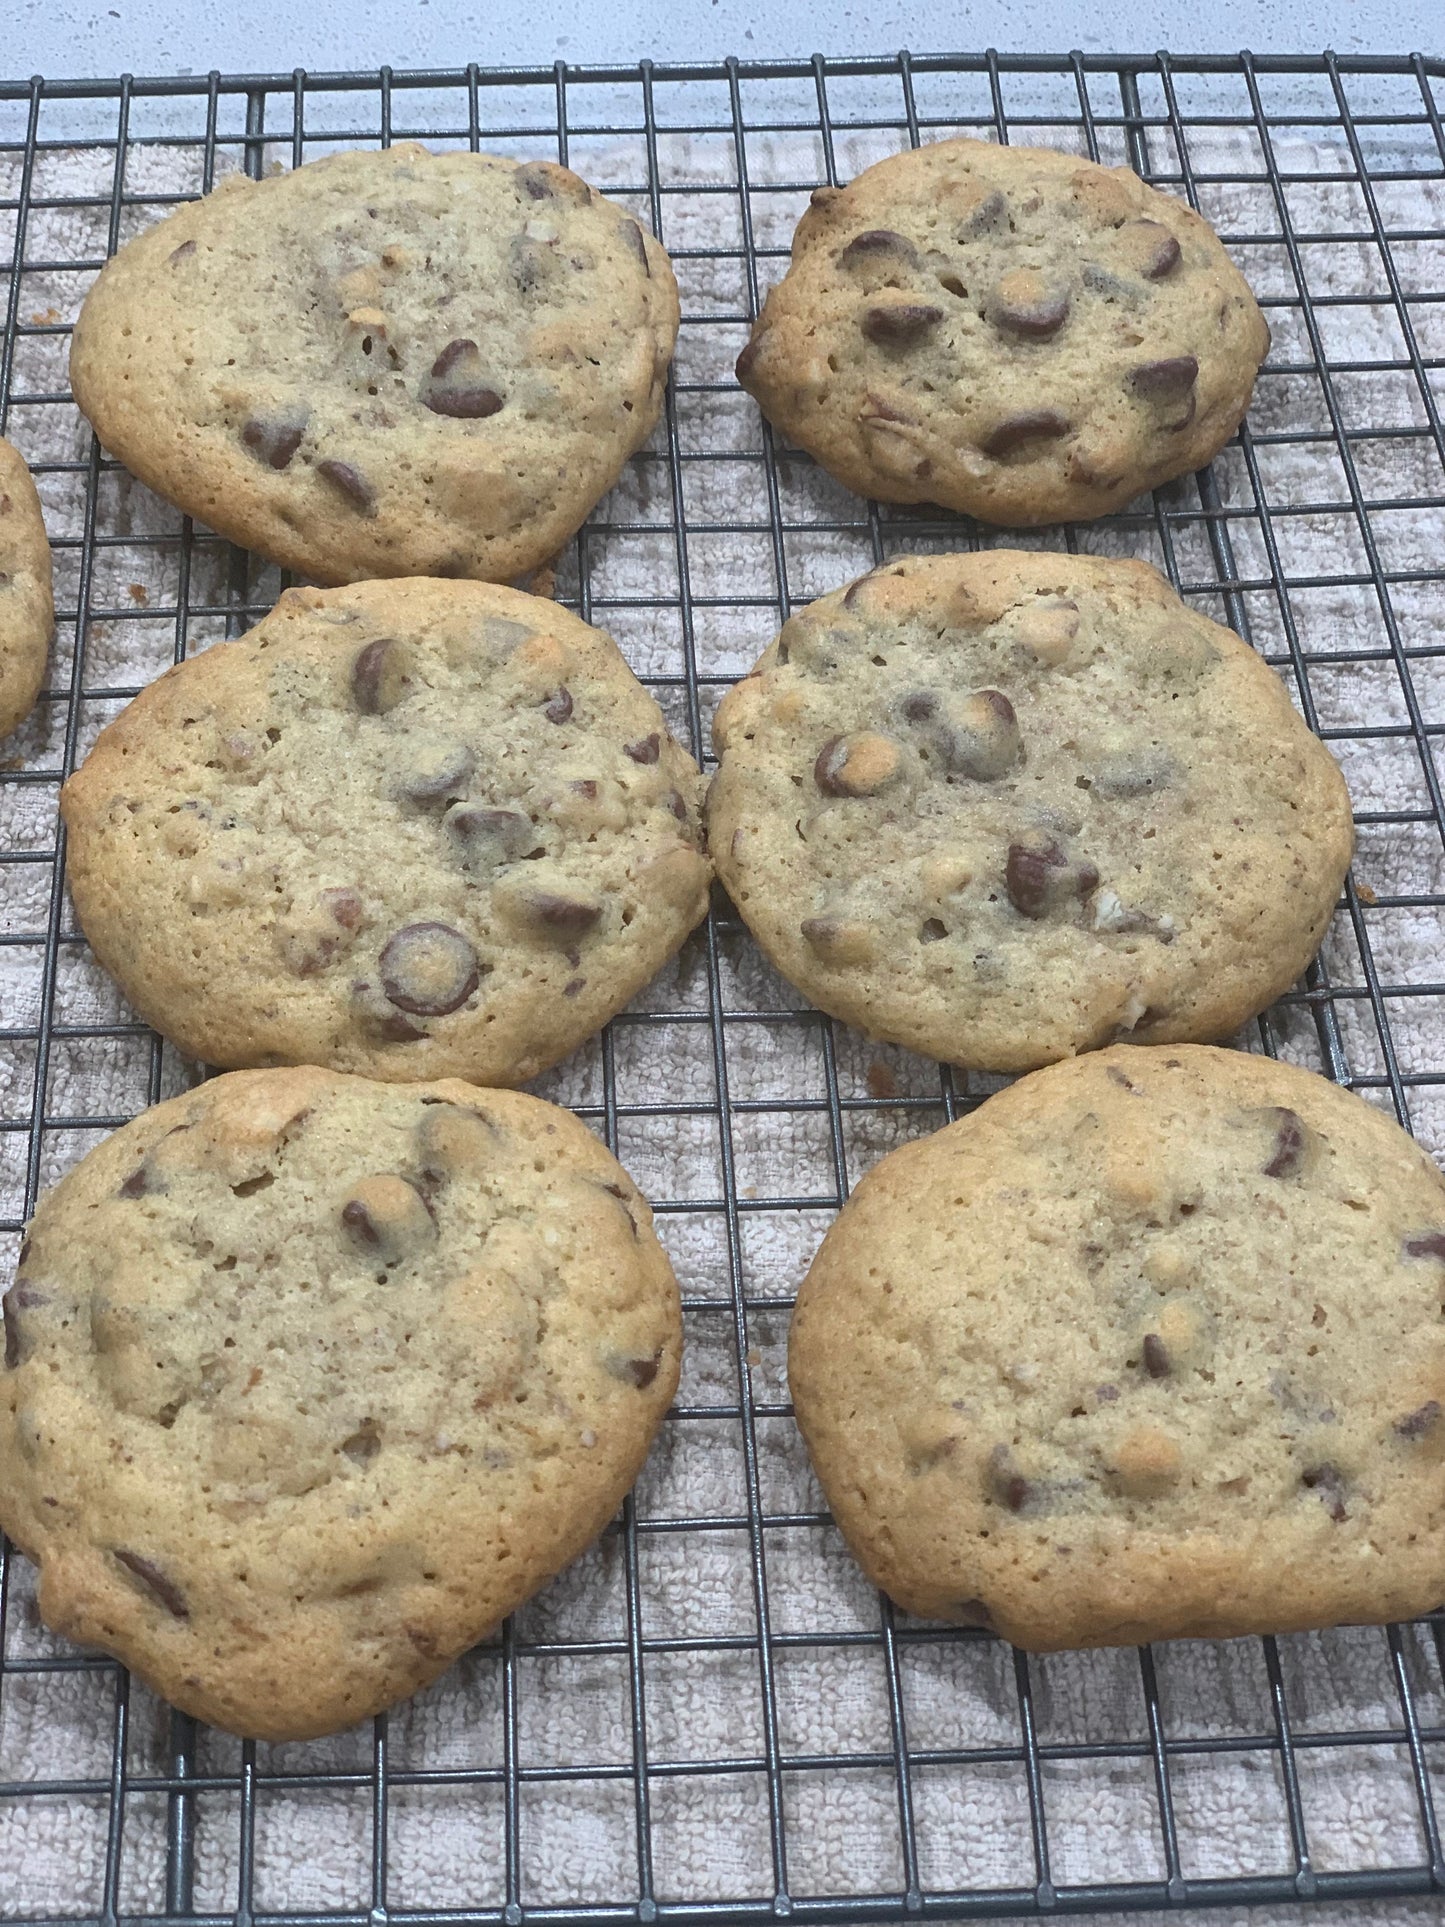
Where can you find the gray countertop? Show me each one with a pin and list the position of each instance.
(93, 37)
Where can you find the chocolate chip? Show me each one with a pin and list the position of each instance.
(485, 839)
(1156, 1356)
(1150, 248)
(989, 217)
(933, 931)
(919, 706)
(274, 440)
(1414, 1425)
(971, 1612)
(1014, 431)
(840, 941)
(350, 481)
(1291, 1139)
(428, 969)
(1112, 286)
(1123, 919)
(878, 246)
(677, 803)
(1024, 303)
(558, 708)
(1006, 1484)
(856, 765)
(344, 905)
(379, 676)
(646, 750)
(985, 741)
(387, 1218)
(457, 387)
(1425, 1244)
(364, 1444)
(182, 252)
(1167, 380)
(635, 1371)
(901, 324)
(746, 361)
(1039, 876)
(155, 1582)
(1328, 1481)
(20, 1297)
(138, 1183)
(549, 181)
(633, 236)
(435, 771)
(561, 917)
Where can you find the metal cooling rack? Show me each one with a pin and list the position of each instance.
(79, 162)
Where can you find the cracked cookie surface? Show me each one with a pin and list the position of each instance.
(27, 608)
(1009, 331)
(380, 364)
(410, 828)
(1006, 807)
(309, 1381)
(1150, 1346)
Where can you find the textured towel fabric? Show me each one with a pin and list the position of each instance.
(711, 1834)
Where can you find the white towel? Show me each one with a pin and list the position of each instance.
(710, 1835)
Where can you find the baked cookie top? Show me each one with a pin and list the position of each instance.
(410, 828)
(1150, 1346)
(27, 609)
(384, 363)
(310, 1380)
(1009, 331)
(1005, 807)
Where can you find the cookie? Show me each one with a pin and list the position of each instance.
(411, 828)
(27, 609)
(1148, 1347)
(379, 364)
(309, 1381)
(1005, 807)
(1009, 331)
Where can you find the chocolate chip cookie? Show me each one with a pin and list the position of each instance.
(1006, 807)
(394, 363)
(412, 828)
(1010, 331)
(310, 1380)
(1151, 1346)
(27, 610)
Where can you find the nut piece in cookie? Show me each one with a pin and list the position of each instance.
(1007, 331)
(384, 363)
(288, 1442)
(1170, 1421)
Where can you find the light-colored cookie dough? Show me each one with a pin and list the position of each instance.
(393, 363)
(310, 1380)
(1005, 807)
(27, 608)
(1150, 1346)
(411, 828)
(1010, 331)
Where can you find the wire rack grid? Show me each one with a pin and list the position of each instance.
(835, 1762)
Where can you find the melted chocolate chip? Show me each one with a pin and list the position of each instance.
(646, 750)
(989, 217)
(900, 325)
(971, 1612)
(378, 676)
(428, 969)
(486, 839)
(919, 706)
(985, 743)
(459, 350)
(387, 1218)
(1425, 1244)
(1154, 247)
(1033, 425)
(1039, 875)
(274, 440)
(1416, 1424)
(181, 253)
(1156, 1356)
(934, 930)
(1329, 1483)
(464, 404)
(633, 238)
(1167, 380)
(137, 1184)
(1023, 303)
(558, 708)
(364, 1444)
(155, 1582)
(635, 1371)
(1007, 1485)
(436, 771)
(349, 481)
(20, 1297)
(876, 245)
(1290, 1140)
(562, 917)
(745, 362)
(457, 387)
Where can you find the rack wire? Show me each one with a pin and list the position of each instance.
(943, 1775)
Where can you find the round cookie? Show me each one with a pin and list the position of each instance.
(309, 1381)
(27, 608)
(412, 828)
(379, 364)
(1150, 1346)
(1005, 807)
(1009, 331)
